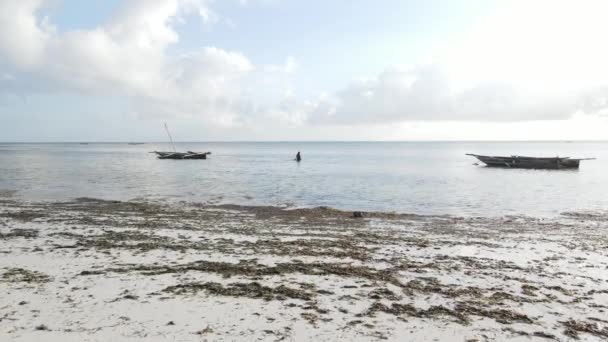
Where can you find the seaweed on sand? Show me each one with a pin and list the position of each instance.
(573, 327)
(541, 334)
(529, 290)
(251, 290)
(21, 275)
(398, 309)
(461, 312)
(383, 293)
(499, 315)
(246, 268)
(130, 239)
(19, 232)
(432, 285)
(23, 215)
(337, 248)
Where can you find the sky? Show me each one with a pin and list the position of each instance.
(267, 70)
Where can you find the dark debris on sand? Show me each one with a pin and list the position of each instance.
(251, 290)
(20, 232)
(574, 327)
(21, 275)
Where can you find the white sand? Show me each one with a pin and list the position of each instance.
(483, 264)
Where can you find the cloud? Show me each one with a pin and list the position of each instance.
(24, 36)
(525, 61)
(126, 56)
(499, 72)
(425, 93)
(206, 84)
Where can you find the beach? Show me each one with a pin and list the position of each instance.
(97, 270)
(269, 170)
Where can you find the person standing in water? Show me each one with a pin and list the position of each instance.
(298, 158)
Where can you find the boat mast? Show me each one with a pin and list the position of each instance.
(170, 138)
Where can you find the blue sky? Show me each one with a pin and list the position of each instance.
(110, 70)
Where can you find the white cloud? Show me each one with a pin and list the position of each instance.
(127, 55)
(24, 35)
(520, 64)
(425, 93)
(540, 60)
(206, 84)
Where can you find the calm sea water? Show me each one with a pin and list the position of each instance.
(413, 177)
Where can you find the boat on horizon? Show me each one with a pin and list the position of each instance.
(179, 155)
(522, 162)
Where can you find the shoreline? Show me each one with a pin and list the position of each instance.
(9, 196)
(90, 269)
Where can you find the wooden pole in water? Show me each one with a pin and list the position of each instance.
(170, 138)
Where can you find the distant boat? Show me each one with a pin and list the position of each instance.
(520, 162)
(133, 143)
(179, 155)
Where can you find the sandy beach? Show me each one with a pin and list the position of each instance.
(272, 170)
(95, 270)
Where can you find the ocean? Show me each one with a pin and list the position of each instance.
(406, 177)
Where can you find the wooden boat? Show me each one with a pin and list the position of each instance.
(520, 162)
(181, 155)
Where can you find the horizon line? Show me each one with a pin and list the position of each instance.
(296, 141)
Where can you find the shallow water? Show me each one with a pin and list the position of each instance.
(416, 177)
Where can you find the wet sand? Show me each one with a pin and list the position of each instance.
(94, 270)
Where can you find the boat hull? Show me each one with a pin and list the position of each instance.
(519, 162)
(180, 155)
